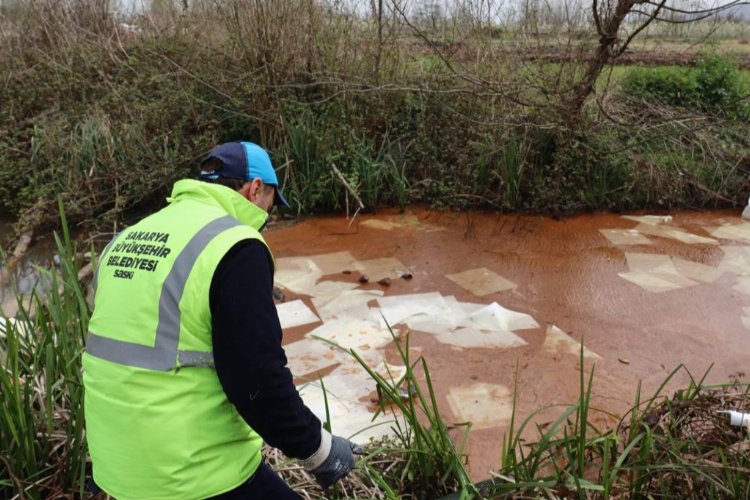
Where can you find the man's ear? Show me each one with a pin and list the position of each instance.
(254, 189)
(246, 190)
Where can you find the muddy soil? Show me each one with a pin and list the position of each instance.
(567, 274)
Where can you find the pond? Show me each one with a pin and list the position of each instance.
(501, 301)
(497, 303)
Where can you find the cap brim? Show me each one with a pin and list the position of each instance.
(279, 199)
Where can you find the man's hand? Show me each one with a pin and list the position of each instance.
(333, 460)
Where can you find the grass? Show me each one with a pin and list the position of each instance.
(434, 464)
(115, 115)
(42, 442)
(664, 447)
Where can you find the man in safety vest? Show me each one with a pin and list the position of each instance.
(184, 371)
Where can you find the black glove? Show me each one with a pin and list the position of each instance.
(338, 462)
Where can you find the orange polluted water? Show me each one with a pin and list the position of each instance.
(645, 293)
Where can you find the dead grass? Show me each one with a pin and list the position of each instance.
(381, 457)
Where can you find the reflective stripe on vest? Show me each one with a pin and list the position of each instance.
(164, 355)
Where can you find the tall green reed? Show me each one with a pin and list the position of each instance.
(435, 464)
(42, 440)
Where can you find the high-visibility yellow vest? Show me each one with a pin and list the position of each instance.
(158, 424)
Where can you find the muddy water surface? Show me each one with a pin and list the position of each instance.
(640, 315)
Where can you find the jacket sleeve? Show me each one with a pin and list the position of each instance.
(249, 359)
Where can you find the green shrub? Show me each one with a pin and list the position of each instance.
(719, 86)
(715, 86)
(675, 86)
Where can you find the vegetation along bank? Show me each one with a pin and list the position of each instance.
(420, 105)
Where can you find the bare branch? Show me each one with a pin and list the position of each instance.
(597, 19)
(643, 26)
(710, 11)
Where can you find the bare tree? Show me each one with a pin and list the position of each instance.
(609, 18)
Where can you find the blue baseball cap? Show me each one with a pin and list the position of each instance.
(244, 161)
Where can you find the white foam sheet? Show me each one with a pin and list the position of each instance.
(481, 281)
(351, 380)
(333, 263)
(377, 269)
(462, 310)
(625, 237)
(456, 315)
(496, 317)
(433, 326)
(327, 291)
(484, 405)
(350, 419)
(298, 274)
(557, 341)
(675, 234)
(310, 355)
(348, 304)
(649, 219)
(736, 260)
(737, 231)
(696, 270)
(654, 273)
(658, 282)
(295, 313)
(398, 308)
(742, 285)
(354, 334)
(645, 262)
(487, 339)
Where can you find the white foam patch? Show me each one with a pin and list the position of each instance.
(377, 269)
(297, 274)
(434, 326)
(481, 281)
(557, 341)
(655, 273)
(737, 231)
(625, 237)
(295, 313)
(333, 263)
(675, 234)
(350, 419)
(309, 355)
(462, 310)
(353, 334)
(645, 262)
(736, 260)
(475, 338)
(484, 405)
(696, 270)
(651, 282)
(742, 285)
(398, 308)
(649, 219)
(349, 304)
(353, 370)
(496, 317)
(455, 315)
(327, 291)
